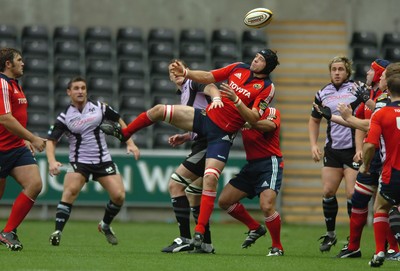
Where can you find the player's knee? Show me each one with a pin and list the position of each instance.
(194, 190)
(211, 177)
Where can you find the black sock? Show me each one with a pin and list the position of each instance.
(330, 207)
(349, 206)
(62, 215)
(111, 211)
(181, 209)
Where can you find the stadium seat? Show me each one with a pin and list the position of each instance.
(38, 100)
(224, 36)
(166, 35)
(360, 70)
(165, 98)
(67, 66)
(35, 47)
(8, 31)
(67, 48)
(66, 32)
(132, 85)
(35, 32)
(102, 97)
(364, 38)
(131, 67)
(220, 63)
(198, 65)
(159, 68)
(130, 49)
(392, 54)
(130, 34)
(193, 36)
(193, 51)
(8, 43)
(390, 39)
(99, 84)
(62, 101)
(36, 65)
(98, 33)
(61, 83)
(249, 51)
(162, 86)
(98, 49)
(226, 51)
(38, 118)
(161, 50)
(135, 102)
(98, 66)
(365, 53)
(254, 36)
(160, 138)
(35, 83)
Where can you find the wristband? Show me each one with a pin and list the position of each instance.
(238, 102)
(216, 99)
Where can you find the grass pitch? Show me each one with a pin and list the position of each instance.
(83, 248)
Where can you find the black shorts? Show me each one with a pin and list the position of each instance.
(340, 158)
(259, 175)
(11, 159)
(196, 160)
(391, 191)
(94, 171)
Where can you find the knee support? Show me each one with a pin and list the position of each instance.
(168, 113)
(213, 172)
(180, 179)
(362, 195)
(194, 190)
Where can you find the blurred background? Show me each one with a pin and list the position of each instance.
(123, 48)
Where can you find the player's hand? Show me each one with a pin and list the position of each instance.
(228, 92)
(178, 69)
(216, 103)
(133, 149)
(30, 146)
(358, 157)
(177, 139)
(324, 111)
(361, 91)
(316, 153)
(54, 168)
(345, 110)
(39, 143)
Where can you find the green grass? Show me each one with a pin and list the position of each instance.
(83, 248)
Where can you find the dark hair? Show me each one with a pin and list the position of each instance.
(178, 60)
(75, 79)
(7, 54)
(393, 83)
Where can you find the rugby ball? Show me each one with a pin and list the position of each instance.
(258, 17)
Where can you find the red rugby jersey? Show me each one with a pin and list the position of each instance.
(254, 93)
(363, 112)
(12, 100)
(386, 122)
(259, 144)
